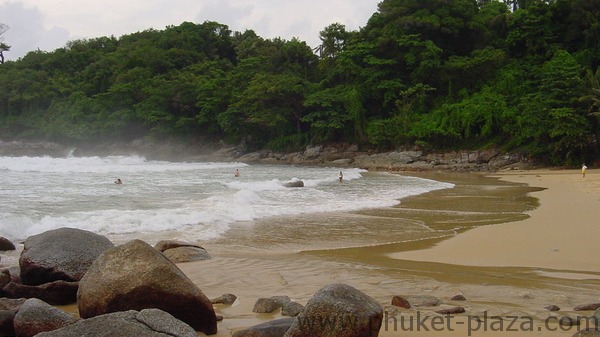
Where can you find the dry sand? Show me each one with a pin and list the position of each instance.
(561, 234)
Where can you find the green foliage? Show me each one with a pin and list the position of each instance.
(433, 73)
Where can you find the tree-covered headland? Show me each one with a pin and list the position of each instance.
(438, 74)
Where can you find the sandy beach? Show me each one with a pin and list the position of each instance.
(507, 256)
(561, 234)
(512, 244)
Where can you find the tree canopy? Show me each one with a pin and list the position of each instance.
(437, 74)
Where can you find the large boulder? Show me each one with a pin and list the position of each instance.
(135, 276)
(346, 311)
(37, 316)
(147, 323)
(60, 254)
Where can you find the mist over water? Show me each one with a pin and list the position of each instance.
(202, 199)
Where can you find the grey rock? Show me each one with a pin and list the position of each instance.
(424, 301)
(186, 254)
(126, 324)
(291, 309)
(451, 310)
(269, 305)
(587, 307)
(37, 316)
(349, 313)
(6, 244)
(170, 244)
(295, 183)
(276, 328)
(224, 299)
(60, 254)
(56, 293)
(135, 276)
(5, 278)
(458, 297)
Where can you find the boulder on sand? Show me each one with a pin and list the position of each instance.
(135, 276)
(60, 254)
(347, 311)
(37, 316)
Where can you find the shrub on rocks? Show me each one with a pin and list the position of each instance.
(135, 276)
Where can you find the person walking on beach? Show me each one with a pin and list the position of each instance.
(341, 177)
(583, 168)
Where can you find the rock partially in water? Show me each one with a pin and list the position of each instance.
(295, 183)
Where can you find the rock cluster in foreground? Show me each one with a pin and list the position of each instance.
(135, 290)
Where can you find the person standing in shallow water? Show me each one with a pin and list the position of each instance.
(341, 177)
(237, 173)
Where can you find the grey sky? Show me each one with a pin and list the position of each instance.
(49, 24)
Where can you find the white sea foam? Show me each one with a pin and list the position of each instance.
(43, 193)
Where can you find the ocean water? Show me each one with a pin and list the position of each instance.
(201, 199)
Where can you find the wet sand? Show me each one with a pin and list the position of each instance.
(508, 268)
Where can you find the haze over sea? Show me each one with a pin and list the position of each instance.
(201, 199)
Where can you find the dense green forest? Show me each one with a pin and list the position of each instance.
(437, 74)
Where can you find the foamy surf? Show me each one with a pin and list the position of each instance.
(204, 199)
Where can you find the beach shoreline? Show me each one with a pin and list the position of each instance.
(495, 280)
(495, 283)
(559, 234)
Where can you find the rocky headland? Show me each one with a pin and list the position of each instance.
(342, 155)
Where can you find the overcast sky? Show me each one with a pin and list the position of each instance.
(49, 24)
